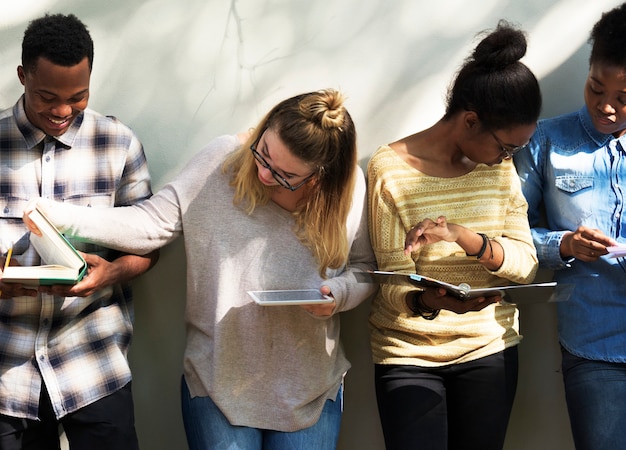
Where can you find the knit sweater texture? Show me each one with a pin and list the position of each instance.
(270, 367)
(486, 200)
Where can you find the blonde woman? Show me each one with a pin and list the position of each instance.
(285, 210)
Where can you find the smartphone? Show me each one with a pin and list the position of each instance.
(290, 297)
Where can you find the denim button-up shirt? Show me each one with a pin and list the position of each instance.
(573, 174)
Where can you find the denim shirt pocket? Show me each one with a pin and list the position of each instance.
(574, 204)
(573, 184)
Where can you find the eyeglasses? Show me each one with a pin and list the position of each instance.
(508, 153)
(284, 183)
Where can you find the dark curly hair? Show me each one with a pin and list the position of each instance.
(608, 38)
(495, 84)
(63, 40)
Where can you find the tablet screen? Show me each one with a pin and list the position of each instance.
(290, 297)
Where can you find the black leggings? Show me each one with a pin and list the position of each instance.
(461, 406)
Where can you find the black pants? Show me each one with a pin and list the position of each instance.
(107, 424)
(456, 407)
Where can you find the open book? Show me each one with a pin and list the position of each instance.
(63, 264)
(515, 293)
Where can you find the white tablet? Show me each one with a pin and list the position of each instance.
(290, 297)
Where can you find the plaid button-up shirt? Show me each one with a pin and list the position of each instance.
(77, 346)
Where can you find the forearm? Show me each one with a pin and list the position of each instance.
(126, 267)
(137, 229)
(488, 251)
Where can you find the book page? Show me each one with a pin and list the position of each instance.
(52, 246)
(63, 264)
(21, 273)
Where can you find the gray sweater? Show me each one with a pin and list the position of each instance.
(270, 367)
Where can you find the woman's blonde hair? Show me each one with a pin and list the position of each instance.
(318, 130)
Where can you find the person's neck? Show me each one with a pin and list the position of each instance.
(286, 199)
(434, 151)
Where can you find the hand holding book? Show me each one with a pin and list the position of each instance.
(63, 264)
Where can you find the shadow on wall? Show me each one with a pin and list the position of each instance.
(181, 73)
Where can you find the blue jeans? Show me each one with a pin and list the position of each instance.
(208, 429)
(596, 401)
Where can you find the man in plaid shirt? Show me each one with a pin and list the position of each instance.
(63, 349)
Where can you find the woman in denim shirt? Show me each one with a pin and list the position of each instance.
(574, 173)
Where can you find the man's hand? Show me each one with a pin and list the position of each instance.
(102, 273)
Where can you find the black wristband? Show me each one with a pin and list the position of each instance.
(418, 307)
(483, 248)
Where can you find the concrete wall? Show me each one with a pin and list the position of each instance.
(183, 72)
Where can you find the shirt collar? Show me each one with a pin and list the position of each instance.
(600, 139)
(33, 135)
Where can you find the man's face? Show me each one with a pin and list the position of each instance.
(55, 95)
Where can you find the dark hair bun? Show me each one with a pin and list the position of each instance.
(502, 47)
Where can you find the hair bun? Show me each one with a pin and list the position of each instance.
(326, 108)
(504, 46)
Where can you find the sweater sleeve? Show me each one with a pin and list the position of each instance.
(138, 229)
(387, 234)
(520, 257)
(150, 224)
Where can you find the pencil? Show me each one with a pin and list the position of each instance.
(7, 260)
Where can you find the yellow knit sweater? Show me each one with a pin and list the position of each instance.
(486, 200)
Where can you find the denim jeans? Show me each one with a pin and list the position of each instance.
(596, 401)
(208, 429)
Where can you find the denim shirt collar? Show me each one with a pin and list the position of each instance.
(600, 139)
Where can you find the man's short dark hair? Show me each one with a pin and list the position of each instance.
(62, 39)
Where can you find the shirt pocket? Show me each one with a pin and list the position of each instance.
(574, 198)
(13, 232)
(91, 200)
(573, 184)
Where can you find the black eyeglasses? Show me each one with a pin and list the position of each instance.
(284, 183)
(508, 153)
